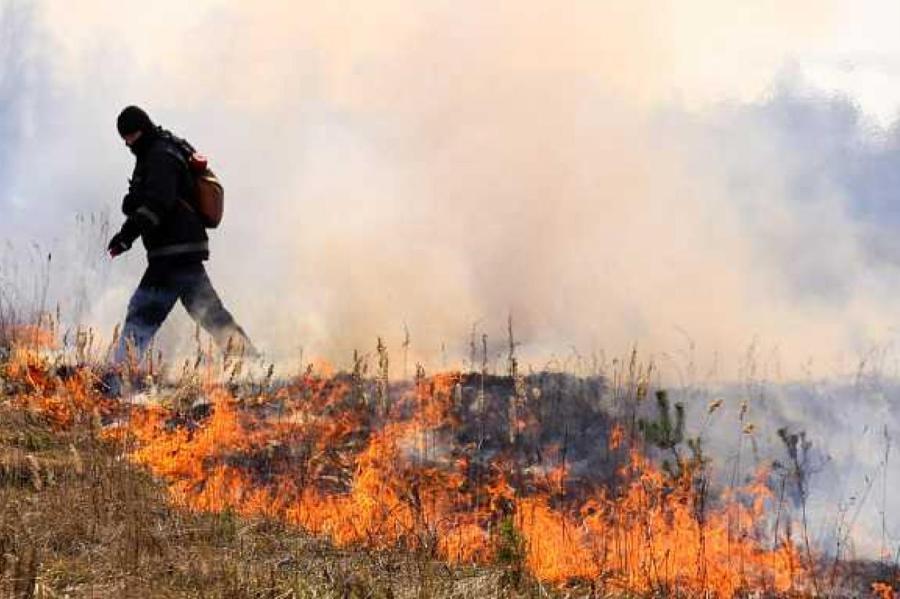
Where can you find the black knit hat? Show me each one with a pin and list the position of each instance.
(133, 119)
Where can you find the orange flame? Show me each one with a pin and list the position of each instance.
(316, 456)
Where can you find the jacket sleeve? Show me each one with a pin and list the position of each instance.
(152, 197)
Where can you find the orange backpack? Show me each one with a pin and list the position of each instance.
(209, 200)
(209, 195)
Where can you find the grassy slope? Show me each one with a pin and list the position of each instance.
(78, 521)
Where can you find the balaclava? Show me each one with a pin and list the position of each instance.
(133, 119)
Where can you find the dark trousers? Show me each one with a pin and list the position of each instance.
(155, 297)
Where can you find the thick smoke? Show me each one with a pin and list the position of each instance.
(435, 167)
(608, 173)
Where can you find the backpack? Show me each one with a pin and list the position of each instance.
(209, 195)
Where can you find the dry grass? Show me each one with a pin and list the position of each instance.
(77, 520)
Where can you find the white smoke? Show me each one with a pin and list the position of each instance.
(609, 173)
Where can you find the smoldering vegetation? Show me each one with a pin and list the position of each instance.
(475, 469)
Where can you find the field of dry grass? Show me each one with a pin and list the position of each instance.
(216, 484)
(77, 520)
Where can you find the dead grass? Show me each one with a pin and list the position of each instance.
(77, 520)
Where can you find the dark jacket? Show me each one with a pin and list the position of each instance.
(158, 203)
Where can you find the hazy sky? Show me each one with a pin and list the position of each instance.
(609, 172)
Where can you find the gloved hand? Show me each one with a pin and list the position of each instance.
(119, 244)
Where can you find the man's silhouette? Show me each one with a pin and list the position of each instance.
(158, 208)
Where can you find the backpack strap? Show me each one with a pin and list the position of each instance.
(177, 151)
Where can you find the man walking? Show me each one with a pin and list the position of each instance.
(159, 208)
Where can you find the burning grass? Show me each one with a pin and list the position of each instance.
(537, 484)
(76, 520)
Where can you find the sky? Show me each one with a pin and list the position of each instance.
(712, 175)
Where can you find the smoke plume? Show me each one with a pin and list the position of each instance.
(670, 175)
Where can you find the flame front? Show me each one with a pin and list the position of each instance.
(426, 472)
(324, 461)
